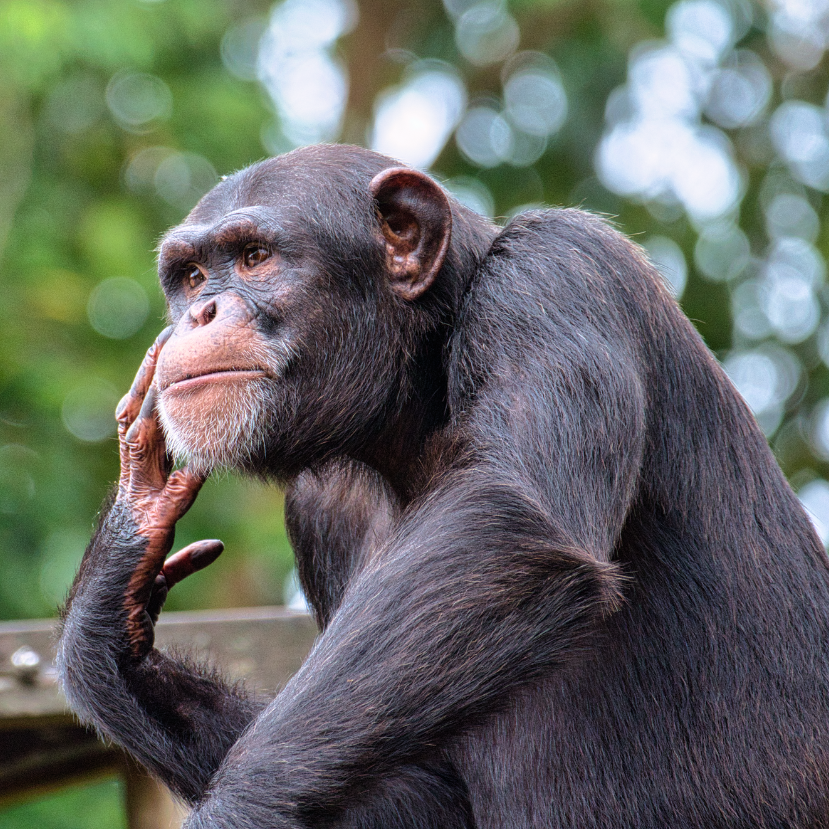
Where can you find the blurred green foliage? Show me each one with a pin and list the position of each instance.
(90, 178)
(98, 805)
(82, 205)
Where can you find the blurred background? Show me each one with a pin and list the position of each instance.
(700, 126)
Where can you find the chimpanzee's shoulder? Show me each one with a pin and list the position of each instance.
(564, 233)
(558, 289)
(560, 266)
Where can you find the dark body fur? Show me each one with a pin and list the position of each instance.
(562, 581)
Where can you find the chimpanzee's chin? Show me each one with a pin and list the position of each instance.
(224, 436)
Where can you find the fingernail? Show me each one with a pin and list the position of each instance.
(121, 407)
(208, 552)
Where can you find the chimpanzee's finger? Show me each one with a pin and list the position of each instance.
(158, 595)
(130, 405)
(146, 423)
(180, 491)
(190, 560)
(144, 441)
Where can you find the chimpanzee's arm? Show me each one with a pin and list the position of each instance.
(179, 721)
(477, 596)
(480, 590)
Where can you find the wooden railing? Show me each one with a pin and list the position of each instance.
(43, 748)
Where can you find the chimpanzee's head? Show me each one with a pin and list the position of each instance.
(305, 292)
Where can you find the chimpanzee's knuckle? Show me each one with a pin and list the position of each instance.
(137, 450)
(178, 489)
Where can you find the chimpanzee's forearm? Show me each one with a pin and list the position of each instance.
(178, 720)
(407, 662)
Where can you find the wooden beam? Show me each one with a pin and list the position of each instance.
(41, 745)
(149, 804)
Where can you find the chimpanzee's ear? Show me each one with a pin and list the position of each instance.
(416, 223)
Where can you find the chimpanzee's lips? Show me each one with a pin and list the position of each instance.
(220, 376)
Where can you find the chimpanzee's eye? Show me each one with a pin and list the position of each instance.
(255, 254)
(193, 276)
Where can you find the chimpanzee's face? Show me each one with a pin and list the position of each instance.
(285, 325)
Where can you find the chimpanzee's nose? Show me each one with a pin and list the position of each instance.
(204, 312)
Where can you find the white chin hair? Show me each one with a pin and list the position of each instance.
(219, 438)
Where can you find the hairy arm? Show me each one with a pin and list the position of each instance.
(481, 588)
(475, 596)
(178, 720)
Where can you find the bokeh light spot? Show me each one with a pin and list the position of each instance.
(413, 121)
(240, 47)
(739, 92)
(181, 179)
(138, 100)
(788, 214)
(486, 33)
(722, 251)
(534, 96)
(799, 134)
(815, 498)
(482, 136)
(766, 377)
(118, 307)
(306, 81)
(669, 260)
(87, 410)
(472, 193)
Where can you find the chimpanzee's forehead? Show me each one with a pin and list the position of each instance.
(261, 206)
(306, 180)
(256, 188)
(282, 198)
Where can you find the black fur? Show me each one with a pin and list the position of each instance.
(562, 581)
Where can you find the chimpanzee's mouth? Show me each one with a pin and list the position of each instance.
(219, 376)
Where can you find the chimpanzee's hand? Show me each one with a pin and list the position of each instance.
(155, 498)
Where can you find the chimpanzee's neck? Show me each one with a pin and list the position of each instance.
(413, 443)
(397, 453)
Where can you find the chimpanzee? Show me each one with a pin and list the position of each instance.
(560, 579)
